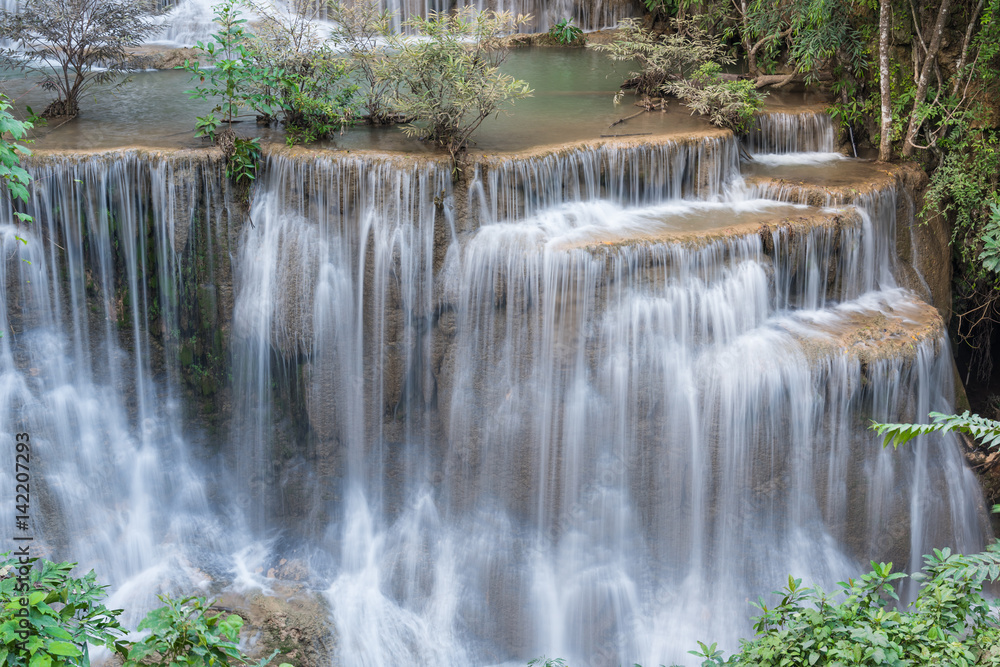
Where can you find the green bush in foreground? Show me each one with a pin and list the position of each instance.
(862, 624)
(49, 617)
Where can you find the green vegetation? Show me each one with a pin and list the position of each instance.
(15, 177)
(186, 632)
(986, 431)
(565, 32)
(444, 84)
(686, 63)
(227, 76)
(730, 104)
(450, 81)
(664, 8)
(363, 32)
(671, 56)
(295, 76)
(87, 39)
(48, 617)
(286, 73)
(863, 624)
(228, 81)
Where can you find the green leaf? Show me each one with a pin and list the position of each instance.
(40, 660)
(63, 648)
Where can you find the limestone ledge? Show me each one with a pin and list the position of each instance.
(922, 242)
(888, 330)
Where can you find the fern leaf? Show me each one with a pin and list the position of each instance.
(986, 431)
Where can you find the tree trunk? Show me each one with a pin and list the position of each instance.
(965, 48)
(925, 75)
(884, 29)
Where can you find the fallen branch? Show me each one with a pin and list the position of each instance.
(778, 80)
(622, 120)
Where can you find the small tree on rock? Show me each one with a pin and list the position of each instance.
(450, 81)
(87, 40)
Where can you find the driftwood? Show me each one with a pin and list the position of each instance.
(779, 80)
(622, 120)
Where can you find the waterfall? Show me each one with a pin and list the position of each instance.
(191, 20)
(584, 402)
(777, 132)
(630, 174)
(588, 14)
(534, 444)
(92, 313)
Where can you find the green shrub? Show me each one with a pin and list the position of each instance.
(729, 104)
(242, 164)
(14, 177)
(672, 56)
(565, 32)
(48, 617)
(364, 32)
(450, 82)
(229, 76)
(187, 632)
(863, 623)
(293, 74)
(686, 63)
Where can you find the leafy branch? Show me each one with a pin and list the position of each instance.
(982, 429)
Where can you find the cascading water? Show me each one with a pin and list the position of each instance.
(191, 20)
(784, 133)
(584, 404)
(587, 14)
(91, 316)
(587, 451)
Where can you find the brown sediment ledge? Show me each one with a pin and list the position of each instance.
(790, 221)
(207, 154)
(403, 158)
(826, 184)
(623, 142)
(885, 331)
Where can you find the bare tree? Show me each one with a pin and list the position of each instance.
(76, 44)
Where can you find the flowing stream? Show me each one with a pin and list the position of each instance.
(585, 403)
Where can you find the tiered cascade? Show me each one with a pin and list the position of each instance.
(584, 403)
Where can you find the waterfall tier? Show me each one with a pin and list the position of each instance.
(783, 132)
(583, 402)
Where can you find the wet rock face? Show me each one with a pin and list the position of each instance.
(290, 619)
(928, 246)
(160, 57)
